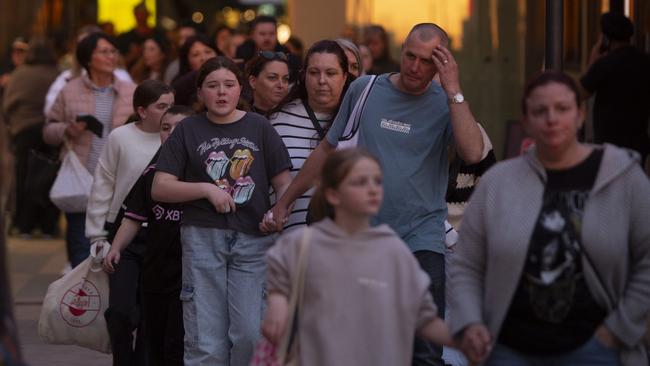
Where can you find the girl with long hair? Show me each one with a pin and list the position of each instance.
(127, 152)
(221, 163)
(363, 289)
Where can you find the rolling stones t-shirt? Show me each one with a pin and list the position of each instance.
(239, 157)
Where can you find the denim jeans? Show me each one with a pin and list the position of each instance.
(592, 353)
(77, 245)
(425, 353)
(222, 294)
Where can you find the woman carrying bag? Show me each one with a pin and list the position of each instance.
(97, 93)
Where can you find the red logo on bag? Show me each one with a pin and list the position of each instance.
(81, 304)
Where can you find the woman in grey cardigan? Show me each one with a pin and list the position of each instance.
(553, 262)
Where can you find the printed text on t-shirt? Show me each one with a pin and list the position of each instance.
(397, 126)
(216, 142)
(169, 215)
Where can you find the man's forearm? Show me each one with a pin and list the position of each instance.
(307, 175)
(469, 142)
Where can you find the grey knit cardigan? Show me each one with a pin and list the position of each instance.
(498, 225)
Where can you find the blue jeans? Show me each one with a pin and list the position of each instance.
(592, 353)
(425, 353)
(222, 294)
(77, 245)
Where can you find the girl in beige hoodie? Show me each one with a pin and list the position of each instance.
(365, 297)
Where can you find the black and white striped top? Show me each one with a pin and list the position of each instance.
(300, 137)
(104, 98)
(463, 178)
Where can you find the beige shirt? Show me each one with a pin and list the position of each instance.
(365, 295)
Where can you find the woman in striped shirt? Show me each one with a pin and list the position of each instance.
(307, 112)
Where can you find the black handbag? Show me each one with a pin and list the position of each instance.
(42, 169)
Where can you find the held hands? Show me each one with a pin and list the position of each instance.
(219, 198)
(607, 338)
(268, 225)
(476, 343)
(275, 219)
(447, 69)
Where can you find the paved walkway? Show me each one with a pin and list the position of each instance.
(33, 265)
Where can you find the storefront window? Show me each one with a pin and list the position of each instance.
(120, 13)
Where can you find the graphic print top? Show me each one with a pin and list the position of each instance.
(239, 157)
(553, 297)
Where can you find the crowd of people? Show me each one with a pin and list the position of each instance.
(236, 174)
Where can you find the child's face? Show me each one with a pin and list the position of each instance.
(220, 92)
(152, 113)
(361, 192)
(167, 125)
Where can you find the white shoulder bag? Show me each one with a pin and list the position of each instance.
(71, 188)
(350, 137)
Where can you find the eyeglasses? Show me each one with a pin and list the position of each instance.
(107, 52)
(269, 55)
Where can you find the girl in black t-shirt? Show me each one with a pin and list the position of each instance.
(221, 164)
(160, 275)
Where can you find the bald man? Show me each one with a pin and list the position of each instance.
(407, 122)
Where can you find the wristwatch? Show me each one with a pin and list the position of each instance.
(457, 98)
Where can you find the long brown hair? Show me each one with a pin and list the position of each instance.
(140, 72)
(299, 91)
(337, 166)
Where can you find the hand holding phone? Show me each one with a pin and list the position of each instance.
(92, 124)
(75, 129)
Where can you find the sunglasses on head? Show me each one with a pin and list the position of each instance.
(269, 55)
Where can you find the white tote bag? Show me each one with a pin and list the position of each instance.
(74, 306)
(350, 137)
(71, 187)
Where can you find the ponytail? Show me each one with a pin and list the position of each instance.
(133, 117)
(319, 208)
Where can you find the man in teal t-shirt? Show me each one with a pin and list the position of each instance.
(409, 134)
(408, 121)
